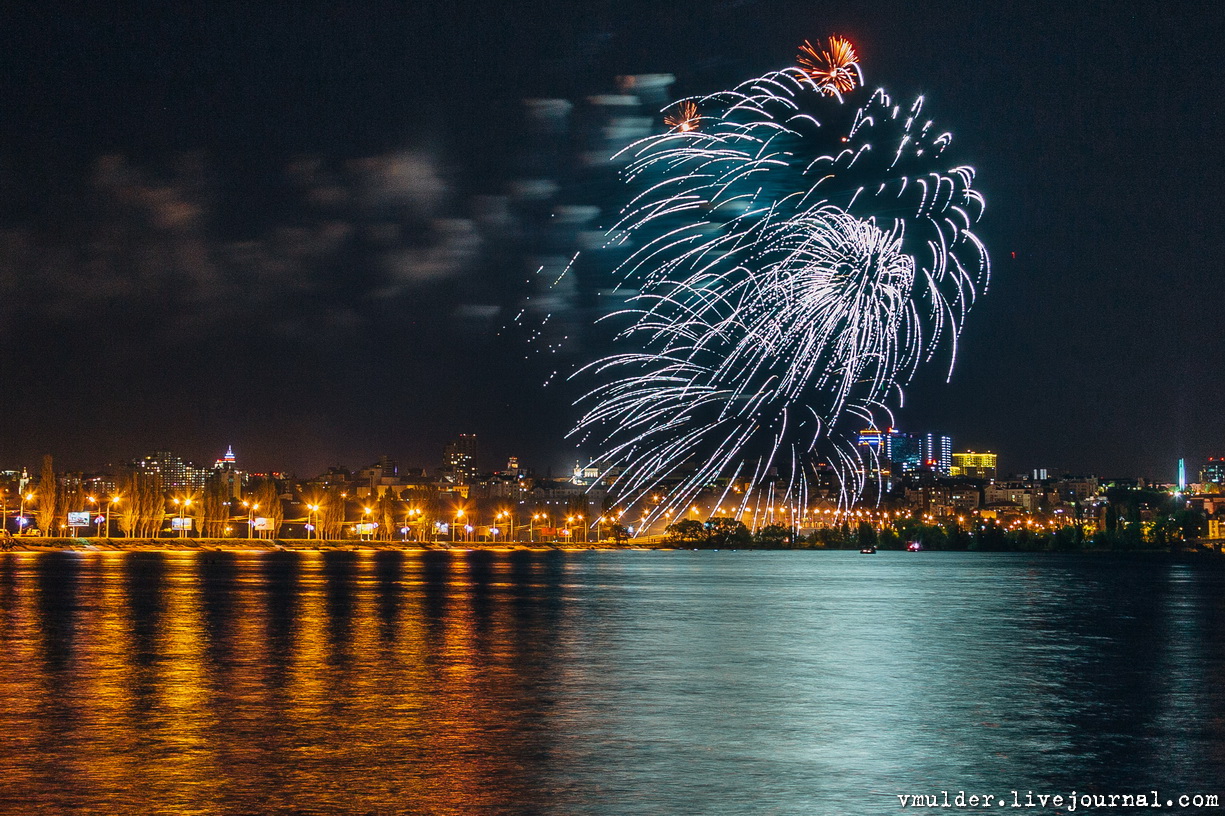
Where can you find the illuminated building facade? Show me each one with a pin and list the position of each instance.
(904, 451)
(870, 438)
(227, 462)
(938, 453)
(459, 459)
(176, 473)
(974, 465)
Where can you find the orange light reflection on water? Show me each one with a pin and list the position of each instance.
(198, 681)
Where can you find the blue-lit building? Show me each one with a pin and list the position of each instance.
(904, 451)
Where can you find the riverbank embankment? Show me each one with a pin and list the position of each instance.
(35, 544)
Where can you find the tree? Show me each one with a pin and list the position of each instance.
(151, 504)
(214, 507)
(775, 536)
(1112, 519)
(865, 536)
(47, 498)
(268, 497)
(332, 515)
(126, 508)
(828, 538)
(1191, 524)
(388, 510)
(142, 508)
(728, 532)
(686, 531)
(69, 499)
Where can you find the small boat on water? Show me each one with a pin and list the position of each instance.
(868, 550)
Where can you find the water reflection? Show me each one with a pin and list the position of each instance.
(601, 683)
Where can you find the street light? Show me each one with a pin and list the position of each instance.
(251, 508)
(313, 525)
(114, 500)
(182, 504)
(21, 519)
(97, 524)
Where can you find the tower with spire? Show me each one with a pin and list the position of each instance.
(227, 462)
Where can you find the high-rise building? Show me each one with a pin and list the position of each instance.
(938, 453)
(1213, 471)
(904, 451)
(390, 467)
(175, 472)
(227, 462)
(226, 469)
(974, 465)
(459, 459)
(870, 438)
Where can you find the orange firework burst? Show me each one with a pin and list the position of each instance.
(833, 69)
(685, 119)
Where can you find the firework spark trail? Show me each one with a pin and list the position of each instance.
(796, 258)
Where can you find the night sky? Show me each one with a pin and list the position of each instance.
(276, 227)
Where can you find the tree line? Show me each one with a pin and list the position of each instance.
(1172, 530)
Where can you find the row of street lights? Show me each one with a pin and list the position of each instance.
(504, 520)
(25, 497)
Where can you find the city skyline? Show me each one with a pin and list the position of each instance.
(945, 502)
(462, 459)
(173, 215)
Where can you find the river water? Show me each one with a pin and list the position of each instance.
(603, 682)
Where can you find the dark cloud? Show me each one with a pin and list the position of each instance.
(150, 241)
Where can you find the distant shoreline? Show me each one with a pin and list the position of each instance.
(214, 545)
(285, 545)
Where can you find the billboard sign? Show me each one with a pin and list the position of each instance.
(262, 523)
(78, 519)
(367, 527)
(183, 523)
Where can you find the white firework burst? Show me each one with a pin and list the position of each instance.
(796, 258)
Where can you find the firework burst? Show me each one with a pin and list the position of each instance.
(794, 261)
(685, 118)
(834, 69)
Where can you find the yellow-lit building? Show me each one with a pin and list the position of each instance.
(974, 465)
